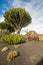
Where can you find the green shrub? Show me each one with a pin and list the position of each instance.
(13, 39)
(4, 32)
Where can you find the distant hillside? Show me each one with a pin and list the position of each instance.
(40, 36)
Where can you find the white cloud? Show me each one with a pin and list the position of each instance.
(17, 3)
(1, 18)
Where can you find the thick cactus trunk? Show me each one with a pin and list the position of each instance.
(18, 31)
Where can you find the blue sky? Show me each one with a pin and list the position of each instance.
(34, 7)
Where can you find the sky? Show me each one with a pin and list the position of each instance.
(34, 7)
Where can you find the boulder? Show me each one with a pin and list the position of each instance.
(32, 35)
(4, 49)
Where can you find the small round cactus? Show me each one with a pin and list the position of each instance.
(11, 55)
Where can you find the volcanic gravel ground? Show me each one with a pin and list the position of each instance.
(31, 53)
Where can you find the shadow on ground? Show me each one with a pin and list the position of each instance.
(40, 62)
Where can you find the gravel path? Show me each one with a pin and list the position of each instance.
(31, 53)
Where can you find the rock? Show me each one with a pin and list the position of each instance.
(4, 49)
(32, 35)
(16, 46)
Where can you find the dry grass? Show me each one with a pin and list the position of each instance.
(40, 36)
